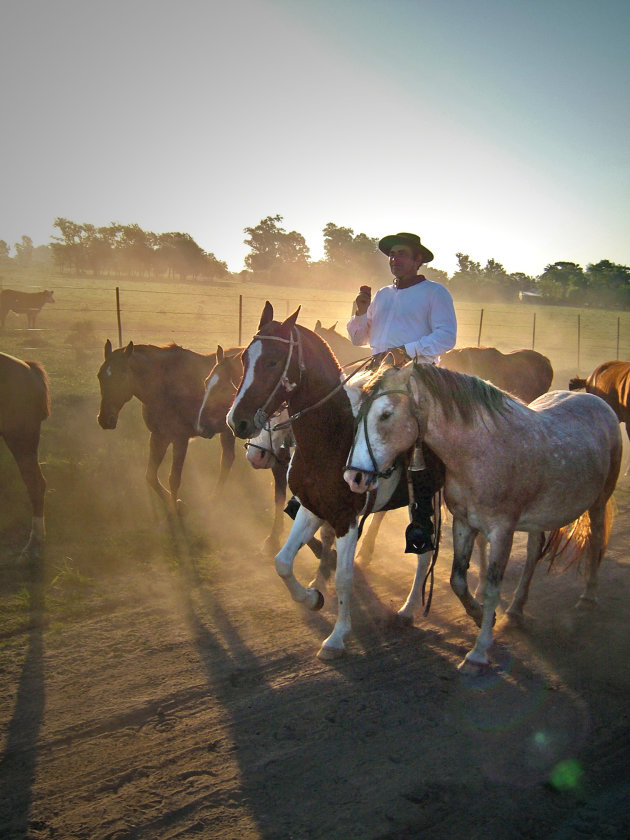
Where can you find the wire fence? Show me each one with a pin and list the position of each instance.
(200, 317)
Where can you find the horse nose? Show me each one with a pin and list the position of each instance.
(107, 421)
(356, 481)
(242, 429)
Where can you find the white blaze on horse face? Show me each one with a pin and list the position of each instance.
(250, 357)
(209, 386)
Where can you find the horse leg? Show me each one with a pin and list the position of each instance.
(368, 543)
(482, 545)
(304, 526)
(180, 448)
(463, 542)
(327, 557)
(333, 646)
(476, 660)
(157, 450)
(227, 458)
(24, 451)
(414, 600)
(272, 542)
(595, 550)
(535, 543)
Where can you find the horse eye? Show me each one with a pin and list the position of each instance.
(272, 363)
(385, 415)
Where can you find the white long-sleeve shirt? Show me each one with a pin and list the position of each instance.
(421, 317)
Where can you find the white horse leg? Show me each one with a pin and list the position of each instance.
(33, 547)
(333, 646)
(414, 600)
(368, 543)
(303, 528)
(482, 545)
(535, 543)
(327, 559)
(476, 660)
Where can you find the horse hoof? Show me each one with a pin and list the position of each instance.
(400, 620)
(473, 669)
(319, 603)
(329, 654)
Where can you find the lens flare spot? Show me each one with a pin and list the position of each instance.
(566, 775)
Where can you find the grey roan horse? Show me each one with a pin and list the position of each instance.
(509, 467)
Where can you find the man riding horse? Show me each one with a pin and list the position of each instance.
(415, 318)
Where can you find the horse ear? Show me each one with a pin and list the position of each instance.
(289, 323)
(129, 349)
(219, 353)
(267, 315)
(414, 389)
(334, 326)
(318, 325)
(108, 349)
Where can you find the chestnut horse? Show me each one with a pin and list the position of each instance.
(611, 382)
(169, 382)
(525, 374)
(288, 362)
(24, 404)
(509, 467)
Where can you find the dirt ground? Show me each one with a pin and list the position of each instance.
(163, 685)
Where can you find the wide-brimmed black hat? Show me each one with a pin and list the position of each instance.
(411, 239)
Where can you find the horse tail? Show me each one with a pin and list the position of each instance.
(575, 538)
(576, 384)
(43, 388)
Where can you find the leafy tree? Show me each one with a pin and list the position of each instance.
(24, 252)
(467, 280)
(271, 246)
(4, 252)
(563, 282)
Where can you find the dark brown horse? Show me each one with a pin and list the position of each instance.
(169, 382)
(24, 403)
(525, 374)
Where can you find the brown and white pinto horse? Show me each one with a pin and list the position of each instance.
(24, 404)
(289, 363)
(169, 382)
(611, 382)
(509, 467)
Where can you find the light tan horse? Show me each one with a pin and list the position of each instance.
(550, 466)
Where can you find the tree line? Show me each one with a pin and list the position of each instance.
(280, 256)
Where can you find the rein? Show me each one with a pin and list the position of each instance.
(323, 400)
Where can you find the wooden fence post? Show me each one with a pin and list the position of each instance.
(118, 316)
(480, 325)
(534, 333)
(578, 343)
(618, 328)
(240, 320)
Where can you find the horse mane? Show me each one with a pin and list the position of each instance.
(468, 396)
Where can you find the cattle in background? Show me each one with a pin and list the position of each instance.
(23, 303)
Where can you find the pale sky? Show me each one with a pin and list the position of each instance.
(499, 128)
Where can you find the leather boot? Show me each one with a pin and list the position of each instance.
(419, 536)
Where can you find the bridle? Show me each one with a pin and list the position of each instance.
(261, 419)
(361, 418)
(283, 454)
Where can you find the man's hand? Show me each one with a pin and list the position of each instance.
(363, 299)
